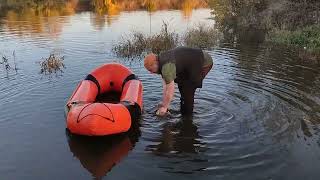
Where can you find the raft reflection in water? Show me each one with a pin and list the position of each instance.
(100, 154)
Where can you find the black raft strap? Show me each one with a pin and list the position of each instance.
(133, 108)
(130, 77)
(93, 79)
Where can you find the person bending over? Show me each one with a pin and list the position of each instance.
(183, 65)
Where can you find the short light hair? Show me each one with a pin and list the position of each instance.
(149, 60)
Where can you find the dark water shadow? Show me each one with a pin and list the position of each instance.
(99, 155)
(179, 144)
(179, 137)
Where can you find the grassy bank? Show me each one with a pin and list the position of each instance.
(286, 22)
(307, 38)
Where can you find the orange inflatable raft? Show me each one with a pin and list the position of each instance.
(86, 116)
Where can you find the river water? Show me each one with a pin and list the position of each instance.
(256, 117)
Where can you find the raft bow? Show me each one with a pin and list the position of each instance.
(86, 116)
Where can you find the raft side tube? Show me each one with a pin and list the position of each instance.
(99, 119)
(86, 91)
(131, 97)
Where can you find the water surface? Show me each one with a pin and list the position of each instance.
(257, 116)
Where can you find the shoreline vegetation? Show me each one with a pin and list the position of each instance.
(306, 40)
(114, 6)
(101, 7)
(27, 15)
(293, 23)
(137, 43)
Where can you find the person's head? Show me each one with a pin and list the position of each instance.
(151, 63)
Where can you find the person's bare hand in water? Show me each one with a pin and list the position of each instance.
(162, 111)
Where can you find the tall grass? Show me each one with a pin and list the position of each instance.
(202, 36)
(6, 66)
(137, 43)
(162, 41)
(130, 45)
(307, 38)
(5, 62)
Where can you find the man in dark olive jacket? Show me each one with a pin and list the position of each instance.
(185, 66)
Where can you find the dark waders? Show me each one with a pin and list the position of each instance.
(187, 91)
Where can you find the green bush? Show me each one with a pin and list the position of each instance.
(308, 37)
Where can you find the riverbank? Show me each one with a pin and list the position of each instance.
(286, 22)
(306, 39)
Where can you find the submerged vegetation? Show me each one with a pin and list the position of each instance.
(202, 36)
(4, 61)
(6, 66)
(137, 43)
(52, 64)
(130, 45)
(162, 41)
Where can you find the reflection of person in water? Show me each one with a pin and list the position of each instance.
(180, 137)
(100, 154)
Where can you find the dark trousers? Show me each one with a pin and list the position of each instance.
(187, 91)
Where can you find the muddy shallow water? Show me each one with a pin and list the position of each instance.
(256, 117)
